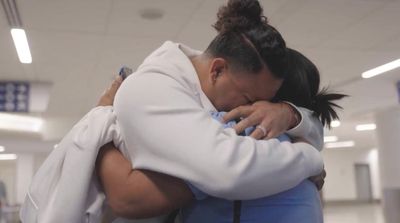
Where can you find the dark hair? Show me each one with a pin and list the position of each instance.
(301, 87)
(246, 40)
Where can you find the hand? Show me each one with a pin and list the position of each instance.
(275, 118)
(108, 96)
(319, 180)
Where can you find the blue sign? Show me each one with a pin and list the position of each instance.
(14, 96)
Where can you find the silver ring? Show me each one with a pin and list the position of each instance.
(263, 129)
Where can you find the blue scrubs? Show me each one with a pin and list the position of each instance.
(300, 204)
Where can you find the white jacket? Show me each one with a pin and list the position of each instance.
(166, 127)
(65, 188)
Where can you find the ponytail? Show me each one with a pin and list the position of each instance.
(324, 107)
(301, 87)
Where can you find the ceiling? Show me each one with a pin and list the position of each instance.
(78, 46)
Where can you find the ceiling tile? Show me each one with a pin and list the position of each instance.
(71, 15)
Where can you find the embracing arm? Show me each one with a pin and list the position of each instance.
(190, 145)
(138, 193)
(135, 193)
(277, 118)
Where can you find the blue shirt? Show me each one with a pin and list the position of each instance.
(300, 204)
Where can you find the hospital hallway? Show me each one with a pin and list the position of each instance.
(281, 66)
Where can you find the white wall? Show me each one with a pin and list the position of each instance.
(24, 175)
(340, 182)
(9, 174)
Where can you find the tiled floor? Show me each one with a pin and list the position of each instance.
(360, 213)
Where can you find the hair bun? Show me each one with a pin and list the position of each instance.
(239, 15)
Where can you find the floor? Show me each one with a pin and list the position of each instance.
(360, 213)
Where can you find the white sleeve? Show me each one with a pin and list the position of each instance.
(310, 128)
(166, 130)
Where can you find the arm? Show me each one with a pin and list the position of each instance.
(309, 128)
(217, 161)
(138, 193)
(278, 118)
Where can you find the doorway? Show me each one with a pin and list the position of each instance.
(363, 182)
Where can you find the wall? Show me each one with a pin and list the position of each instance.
(340, 181)
(7, 175)
(9, 171)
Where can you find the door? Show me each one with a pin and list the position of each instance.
(363, 183)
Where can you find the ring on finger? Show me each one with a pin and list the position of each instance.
(263, 129)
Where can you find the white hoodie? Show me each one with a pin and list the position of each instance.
(166, 126)
(65, 188)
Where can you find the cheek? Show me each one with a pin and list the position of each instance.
(228, 97)
(233, 101)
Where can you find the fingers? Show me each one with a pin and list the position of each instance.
(323, 174)
(115, 85)
(319, 180)
(107, 97)
(251, 120)
(239, 112)
(271, 134)
(320, 184)
(257, 134)
(112, 90)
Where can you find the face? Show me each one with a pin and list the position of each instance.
(231, 90)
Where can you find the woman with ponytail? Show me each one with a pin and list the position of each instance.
(302, 88)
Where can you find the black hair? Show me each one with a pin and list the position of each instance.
(301, 87)
(246, 40)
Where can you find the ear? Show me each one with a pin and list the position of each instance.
(217, 68)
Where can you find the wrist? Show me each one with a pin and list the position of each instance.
(294, 115)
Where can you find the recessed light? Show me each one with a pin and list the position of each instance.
(330, 138)
(366, 127)
(151, 14)
(381, 69)
(335, 123)
(342, 144)
(20, 123)
(21, 45)
(8, 156)
(2, 149)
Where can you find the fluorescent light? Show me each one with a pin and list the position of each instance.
(20, 123)
(2, 149)
(365, 127)
(22, 46)
(339, 144)
(335, 123)
(8, 156)
(381, 69)
(330, 138)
